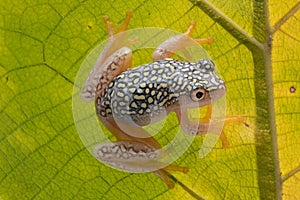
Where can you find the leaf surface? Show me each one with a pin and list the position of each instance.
(256, 49)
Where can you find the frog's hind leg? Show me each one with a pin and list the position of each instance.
(147, 140)
(179, 43)
(125, 132)
(113, 28)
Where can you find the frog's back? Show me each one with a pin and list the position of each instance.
(142, 94)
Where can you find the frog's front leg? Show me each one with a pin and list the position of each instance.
(202, 126)
(179, 42)
(135, 154)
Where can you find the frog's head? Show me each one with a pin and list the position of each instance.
(206, 85)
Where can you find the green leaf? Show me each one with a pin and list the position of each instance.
(256, 48)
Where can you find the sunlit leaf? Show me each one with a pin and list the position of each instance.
(256, 49)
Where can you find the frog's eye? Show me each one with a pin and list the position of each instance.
(198, 94)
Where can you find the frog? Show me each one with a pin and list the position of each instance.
(127, 99)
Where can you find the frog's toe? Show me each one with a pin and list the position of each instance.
(173, 167)
(115, 28)
(164, 177)
(208, 40)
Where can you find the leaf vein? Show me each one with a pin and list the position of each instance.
(286, 17)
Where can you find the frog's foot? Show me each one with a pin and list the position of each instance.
(200, 41)
(179, 43)
(113, 28)
(124, 25)
(118, 36)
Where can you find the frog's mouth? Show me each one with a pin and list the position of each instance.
(216, 94)
(210, 97)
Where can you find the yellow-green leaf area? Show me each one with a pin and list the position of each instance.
(286, 75)
(256, 49)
